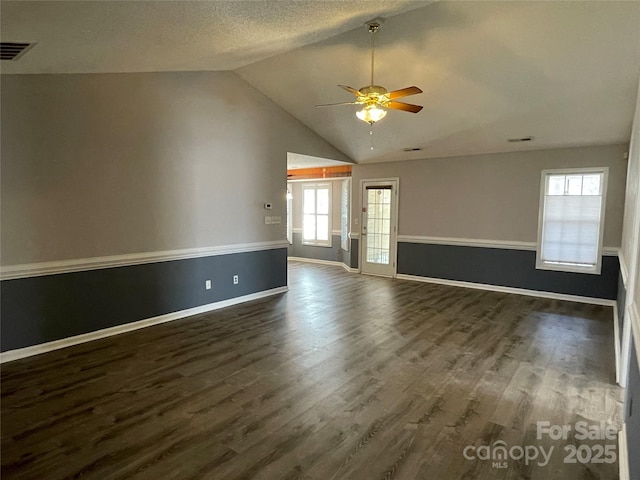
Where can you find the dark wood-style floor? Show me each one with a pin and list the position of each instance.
(345, 377)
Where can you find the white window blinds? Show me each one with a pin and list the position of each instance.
(344, 218)
(572, 218)
(290, 214)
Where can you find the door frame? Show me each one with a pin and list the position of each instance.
(393, 240)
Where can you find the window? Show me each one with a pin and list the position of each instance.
(316, 221)
(378, 224)
(571, 221)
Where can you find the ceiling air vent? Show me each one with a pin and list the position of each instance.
(518, 140)
(13, 50)
(412, 149)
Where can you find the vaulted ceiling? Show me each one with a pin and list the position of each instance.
(565, 73)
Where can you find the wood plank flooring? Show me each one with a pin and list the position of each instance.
(345, 377)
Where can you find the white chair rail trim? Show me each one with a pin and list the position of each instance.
(480, 242)
(93, 263)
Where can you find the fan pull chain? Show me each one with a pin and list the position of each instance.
(371, 136)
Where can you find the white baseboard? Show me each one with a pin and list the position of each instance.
(625, 349)
(11, 355)
(616, 340)
(634, 320)
(324, 262)
(517, 291)
(316, 260)
(623, 454)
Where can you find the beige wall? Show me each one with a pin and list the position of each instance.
(491, 197)
(107, 164)
(336, 202)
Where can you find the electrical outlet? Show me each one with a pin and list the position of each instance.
(267, 220)
(275, 220)
(207, 285)
(236, 280)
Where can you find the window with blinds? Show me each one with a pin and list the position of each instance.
(571, 220)
(344, 217)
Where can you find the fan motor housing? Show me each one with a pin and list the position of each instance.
(377, 89)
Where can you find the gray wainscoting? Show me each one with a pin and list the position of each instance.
(620, 302)
(504, 267)
(353, 254)
(42, 309)
(334, 253)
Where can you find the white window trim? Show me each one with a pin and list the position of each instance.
(319, 243)
(541, 265)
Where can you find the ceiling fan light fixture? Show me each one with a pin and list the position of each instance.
(375, 99)
(371, 114)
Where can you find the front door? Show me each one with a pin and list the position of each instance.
(378, 235)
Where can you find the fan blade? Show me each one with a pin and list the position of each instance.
(350, 90)
(334, 104)
(405, 92)
(407, 107)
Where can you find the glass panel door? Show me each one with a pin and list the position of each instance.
(379, 228)
(378, 224)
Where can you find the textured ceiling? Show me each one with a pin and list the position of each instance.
(155, 36)
(565, 73)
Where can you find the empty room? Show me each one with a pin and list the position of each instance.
(320, 240)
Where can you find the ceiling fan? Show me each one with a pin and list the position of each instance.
(376, 98)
